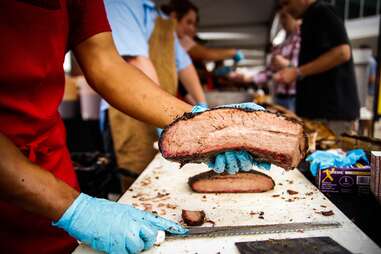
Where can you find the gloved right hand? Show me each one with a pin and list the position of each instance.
(113, 228)
(234, 161)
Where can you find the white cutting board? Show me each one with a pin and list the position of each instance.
(163, 187)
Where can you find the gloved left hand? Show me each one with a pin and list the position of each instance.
(159, 131)
(234, 161)
(113, 228)
(239, 56)
(202, 104)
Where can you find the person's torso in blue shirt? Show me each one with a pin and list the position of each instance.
(132, 23)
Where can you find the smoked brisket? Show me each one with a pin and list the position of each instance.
(196, 137)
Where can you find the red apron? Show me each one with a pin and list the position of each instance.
(32, 48)
(24, 232)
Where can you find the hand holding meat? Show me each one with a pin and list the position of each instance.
(234, 161)
(113, 228)
(234, 137)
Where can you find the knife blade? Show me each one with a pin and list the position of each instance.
(197, 232)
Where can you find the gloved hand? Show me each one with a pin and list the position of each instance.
(202, 104)
(239, 56)
(326, 159)
(113, 228)
(159, 131)
(234, 161)
(246, 105)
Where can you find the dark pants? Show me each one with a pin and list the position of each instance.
(108, 144)
(127, 177)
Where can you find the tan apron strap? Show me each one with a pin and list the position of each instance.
(162, 53)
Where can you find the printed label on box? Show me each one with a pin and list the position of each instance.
(344, 180)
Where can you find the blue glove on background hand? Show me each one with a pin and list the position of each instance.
(239, 56)
(113, 228)
(326, 159)
(223, 71)
(234, 161)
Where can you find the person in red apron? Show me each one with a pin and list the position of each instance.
(36, 34)
(38, 188)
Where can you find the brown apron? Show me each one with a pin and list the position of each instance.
(133, 140)
(162, 54)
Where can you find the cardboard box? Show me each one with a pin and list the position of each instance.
(355, 180)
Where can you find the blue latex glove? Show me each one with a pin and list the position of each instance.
(321, 160)
(159, 131)
(239, 56)
(223, 71)
(246, 105)
(113, 228)
(234, 161)
(356, 155)
(326, 159)
(202, 104)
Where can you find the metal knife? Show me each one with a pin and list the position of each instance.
(197, 232)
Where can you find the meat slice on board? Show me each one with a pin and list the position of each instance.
(242, 182)
(193, 218)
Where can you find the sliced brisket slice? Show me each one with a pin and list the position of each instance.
(193, 218)
(267, 136)
(242, 182)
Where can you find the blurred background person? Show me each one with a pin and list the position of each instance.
(148, 41)
(187, 16)
(326, 88)
(283, 55)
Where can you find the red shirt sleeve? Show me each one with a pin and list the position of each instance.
(87, 18)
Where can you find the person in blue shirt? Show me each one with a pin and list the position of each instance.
(133, 23)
